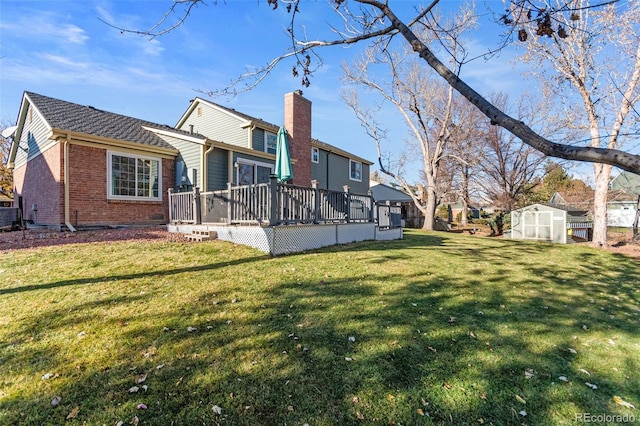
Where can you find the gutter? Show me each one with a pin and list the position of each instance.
(204, 165)
(67, 221)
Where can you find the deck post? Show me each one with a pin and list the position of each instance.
(170, 192)
(273, 200)
(347, 198)
(316, 201)
(371, 204)
(229, 202)
(197, 212)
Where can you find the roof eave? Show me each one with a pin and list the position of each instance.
(62, 133)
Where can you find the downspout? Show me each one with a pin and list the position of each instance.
(67, 221)
(250, 141)
(204, 165)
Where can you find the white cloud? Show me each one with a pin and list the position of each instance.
(46, 26)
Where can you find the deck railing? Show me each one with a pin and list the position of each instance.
(273, 203)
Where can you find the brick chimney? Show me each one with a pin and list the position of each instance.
(297, 121)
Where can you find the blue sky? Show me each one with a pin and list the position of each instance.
(61, 48)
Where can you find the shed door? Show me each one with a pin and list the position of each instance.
(537, 225)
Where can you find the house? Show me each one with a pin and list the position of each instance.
(556, 224)
(78, 166)
(624, 200)
(240, 149)
(411, 216)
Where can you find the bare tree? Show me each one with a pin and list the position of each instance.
(508, 165)
(376, 21)
(6, 175)
(588, 60)
(426, 105)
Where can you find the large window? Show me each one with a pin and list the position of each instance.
(132, 177)
(355, 170)
(270, 142)
(250, 172)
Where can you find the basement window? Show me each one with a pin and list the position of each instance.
(133, 177)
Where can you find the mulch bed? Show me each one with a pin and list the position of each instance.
(35, 238)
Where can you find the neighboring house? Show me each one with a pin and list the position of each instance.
(382, 193)
(542, 222)
(76, 165)
(5, 201)
(624, 200)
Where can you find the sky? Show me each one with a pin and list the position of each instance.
(64, 49)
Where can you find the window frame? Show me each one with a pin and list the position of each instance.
(267, 134)
(136, 157)
(357, 179)
(255, 165)
(315, 154)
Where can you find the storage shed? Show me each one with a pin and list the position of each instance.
(541, 222)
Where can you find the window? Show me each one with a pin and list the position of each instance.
(315, 155)
(355, 170)
(132, 177)
(270, 142)
(250, 172)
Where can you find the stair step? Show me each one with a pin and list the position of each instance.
(199, 235)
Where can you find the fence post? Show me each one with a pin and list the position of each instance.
(170, 191)
(316, 201)
(273, 200)
(347, 197)
(197, 212)
(229, 203)
(371, 204)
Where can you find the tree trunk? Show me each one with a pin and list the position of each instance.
(430, 210)
(602, 174)
(635, 222)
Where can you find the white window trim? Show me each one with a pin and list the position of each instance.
(266, 138)
(110, 196)
(316, 158)
(357, 162)
(252, 163)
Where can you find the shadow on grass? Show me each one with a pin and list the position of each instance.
(479, 344)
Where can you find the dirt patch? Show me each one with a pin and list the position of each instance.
(35, 238)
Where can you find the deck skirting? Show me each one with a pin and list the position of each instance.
(293, 238)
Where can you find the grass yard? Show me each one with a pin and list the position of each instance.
(434, 329)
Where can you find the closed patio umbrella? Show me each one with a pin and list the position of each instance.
(284, 171)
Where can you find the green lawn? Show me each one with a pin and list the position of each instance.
(434, 329)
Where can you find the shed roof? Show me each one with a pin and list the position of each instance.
(382, 192)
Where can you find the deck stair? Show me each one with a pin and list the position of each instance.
(201, 235)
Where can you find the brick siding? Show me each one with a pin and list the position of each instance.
(88, 203)
(39, 182)
(297, 121)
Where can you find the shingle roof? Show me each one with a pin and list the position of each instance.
(92, 121)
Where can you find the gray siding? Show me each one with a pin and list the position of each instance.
(217, 166)
(217, 125)
(34, 137)
(332, 173)
(187, 160)
(258, 140)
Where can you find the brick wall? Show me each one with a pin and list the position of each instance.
(40, 182)
(297, 121)
(88, 203)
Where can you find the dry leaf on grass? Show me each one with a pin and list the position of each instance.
(622, 402)
(74, 413)
(140, 378)
(216, 409)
